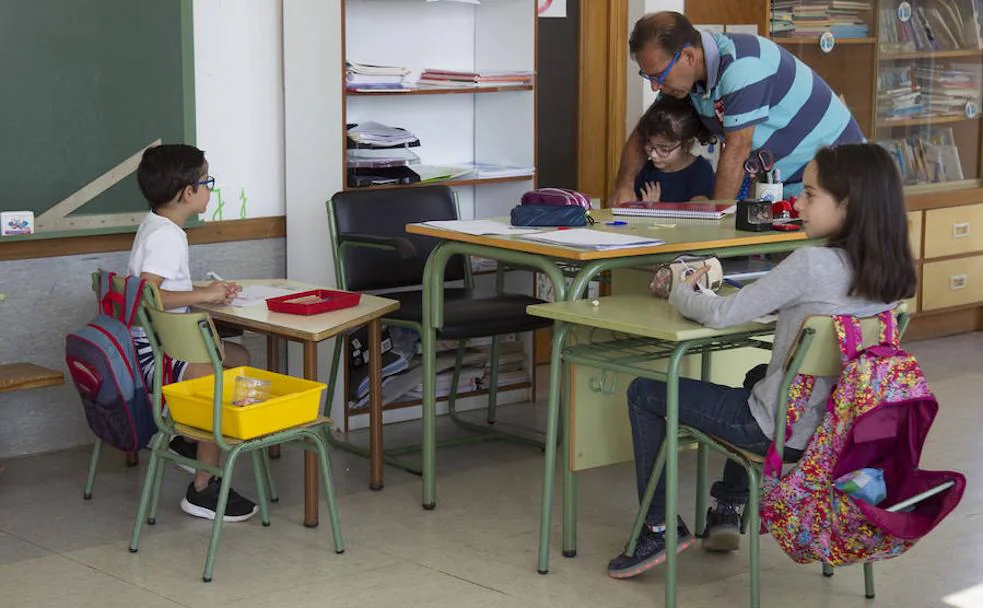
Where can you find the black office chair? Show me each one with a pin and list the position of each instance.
(373, 252)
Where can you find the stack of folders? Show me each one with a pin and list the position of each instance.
(366, 77)
(709, 210)
(486, 78)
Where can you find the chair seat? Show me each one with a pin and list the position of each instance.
(202, 435)
(467, 315)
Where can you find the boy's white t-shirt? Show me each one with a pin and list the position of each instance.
(161, 248)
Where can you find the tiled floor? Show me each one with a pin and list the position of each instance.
(478, 548)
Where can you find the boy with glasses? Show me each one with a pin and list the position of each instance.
(174, 179)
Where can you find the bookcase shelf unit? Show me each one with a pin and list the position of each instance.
(492, 125)
(918, 95)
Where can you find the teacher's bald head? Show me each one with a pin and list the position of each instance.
(667, 30)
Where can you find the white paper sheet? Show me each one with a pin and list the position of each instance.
(479, 227)
(593, 239)
(257, 294)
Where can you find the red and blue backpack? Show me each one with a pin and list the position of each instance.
(102, 362)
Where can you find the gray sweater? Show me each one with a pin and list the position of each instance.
(811, 281)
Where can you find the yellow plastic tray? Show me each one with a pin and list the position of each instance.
(292, 401)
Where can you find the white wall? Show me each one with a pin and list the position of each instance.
(640, 95)
(239, 104)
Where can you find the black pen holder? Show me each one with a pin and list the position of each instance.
(754, 215)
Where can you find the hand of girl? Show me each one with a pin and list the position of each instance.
(693, 277)
(651, 192)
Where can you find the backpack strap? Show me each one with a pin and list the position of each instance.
(889, 329)
(799, 394)
(109, 300)
(131, 299)
(849, 336)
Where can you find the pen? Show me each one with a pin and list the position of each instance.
(733, 283)
(776, 176)
(211, 275)
(615, 223)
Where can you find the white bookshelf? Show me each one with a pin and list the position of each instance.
(486, 125)
(495, 126)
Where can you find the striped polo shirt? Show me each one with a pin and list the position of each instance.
(751, 81)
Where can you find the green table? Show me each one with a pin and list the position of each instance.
(642, 329)
(717, 238)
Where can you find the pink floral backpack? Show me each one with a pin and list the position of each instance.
(878, 416)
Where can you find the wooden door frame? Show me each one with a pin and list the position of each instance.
(601, 108)
(602, 94)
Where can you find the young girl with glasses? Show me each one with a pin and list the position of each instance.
(673, 174)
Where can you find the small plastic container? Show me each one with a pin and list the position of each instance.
(292, 402)
(250, 391)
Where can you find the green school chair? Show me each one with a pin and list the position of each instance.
(192, 337)
(814, 353)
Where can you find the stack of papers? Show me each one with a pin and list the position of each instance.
(479, 227)
(588, 238)
(378, 134)
(362, 76)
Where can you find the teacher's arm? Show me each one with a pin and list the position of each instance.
(632, 161)
(730, 167)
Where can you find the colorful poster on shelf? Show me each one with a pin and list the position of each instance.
(552, 8)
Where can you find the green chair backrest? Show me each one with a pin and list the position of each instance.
(180, 334)
(823, 356)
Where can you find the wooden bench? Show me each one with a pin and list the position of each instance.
(22, 376)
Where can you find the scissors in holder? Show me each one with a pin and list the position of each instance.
(760, 166)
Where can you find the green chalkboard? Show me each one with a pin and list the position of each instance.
(88, 84)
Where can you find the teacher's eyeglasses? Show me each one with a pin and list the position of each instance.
(660, 78)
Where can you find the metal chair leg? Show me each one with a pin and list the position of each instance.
(322, 451)
(90, 481)
(703, 463)
(493, 380)
(869, 580)
(268, 472)
(260, 476)
(223, 500)
(148, 486)
(754, 537)
(827, 570)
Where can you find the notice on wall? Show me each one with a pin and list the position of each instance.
(552, 8)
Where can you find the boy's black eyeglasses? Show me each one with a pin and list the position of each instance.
(208, 182)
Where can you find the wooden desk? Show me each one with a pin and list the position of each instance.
(309, 331)
(657, 332)
(679, 236)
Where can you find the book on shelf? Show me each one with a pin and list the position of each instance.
(711, 210)
(929, 157)
(451, 78)
(928, 91)
(939, 25)
(811, 18)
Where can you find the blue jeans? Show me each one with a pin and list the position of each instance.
(720, 411)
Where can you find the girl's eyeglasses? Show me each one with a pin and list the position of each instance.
(661, 150)
(208, 182)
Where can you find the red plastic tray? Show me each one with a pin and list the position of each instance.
(313, 302)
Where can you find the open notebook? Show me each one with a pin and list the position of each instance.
(709, 210)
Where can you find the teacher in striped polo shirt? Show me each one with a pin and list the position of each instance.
(747, 89)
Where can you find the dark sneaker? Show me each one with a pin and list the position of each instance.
(203, 504)
(182, 447)
(650, 551)
(723, 528)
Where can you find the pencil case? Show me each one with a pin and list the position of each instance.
(550, 215)
(670, 274)
(557, 197)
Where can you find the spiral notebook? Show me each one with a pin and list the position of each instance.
(703, 211)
